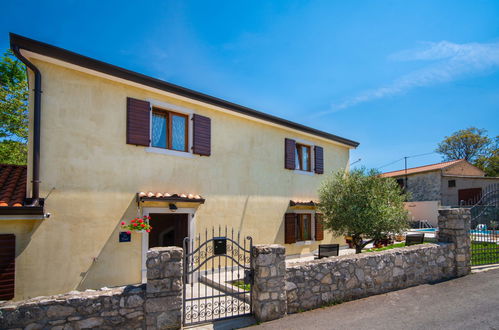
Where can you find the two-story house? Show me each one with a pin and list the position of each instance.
(107, 145)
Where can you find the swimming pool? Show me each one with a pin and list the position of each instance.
(474, 231)
(429, 230)
(482, 232)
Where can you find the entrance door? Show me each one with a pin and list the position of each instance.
(168, 229)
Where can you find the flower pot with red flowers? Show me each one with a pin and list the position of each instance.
(137, 225)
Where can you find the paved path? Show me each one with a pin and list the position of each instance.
(470, 302)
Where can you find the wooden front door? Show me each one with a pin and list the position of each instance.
(168, 229)
(469, 196)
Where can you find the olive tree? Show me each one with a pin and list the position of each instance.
(363, 205)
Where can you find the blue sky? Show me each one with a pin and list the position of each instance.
(397, 76)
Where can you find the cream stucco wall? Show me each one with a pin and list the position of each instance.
(95, 176)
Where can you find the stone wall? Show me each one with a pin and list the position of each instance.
(269, 295)
(156, 305)
(163, 304)
(317, 283)
(327, 281)
(424, 186)
(454, 227)
(107, 308)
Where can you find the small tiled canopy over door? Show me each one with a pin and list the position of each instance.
(138, 122)
(201, 144)
(289, 154)
(7, 266)
(290, 228)
(319, 227)
(319, 159)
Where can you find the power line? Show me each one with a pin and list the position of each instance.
(428, 153)
(395, 161)
(398, 160)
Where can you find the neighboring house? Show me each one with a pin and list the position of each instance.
(114, 144)
(451, 183)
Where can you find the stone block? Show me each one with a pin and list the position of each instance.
(58, 311)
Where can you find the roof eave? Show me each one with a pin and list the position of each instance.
(106, 68)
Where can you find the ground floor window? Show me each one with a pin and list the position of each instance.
(303, 227)
(300, 227)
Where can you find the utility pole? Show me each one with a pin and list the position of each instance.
(405, 161)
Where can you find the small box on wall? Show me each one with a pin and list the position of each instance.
(125, 237)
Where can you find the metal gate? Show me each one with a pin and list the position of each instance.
(484, 232)
(217, 276)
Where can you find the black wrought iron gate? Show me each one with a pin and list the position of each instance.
(484, 232)
(217, 276)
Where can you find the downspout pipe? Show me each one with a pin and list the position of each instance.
(35, 191)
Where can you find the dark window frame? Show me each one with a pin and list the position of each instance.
(451, 184)
(299, 226)
(299, 153)
(169, 115)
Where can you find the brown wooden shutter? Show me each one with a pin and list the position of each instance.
(289, 228)
(137, 122)
(319, 159)
(7, 266)
(319, 227)
(289, 154)
(201, 143)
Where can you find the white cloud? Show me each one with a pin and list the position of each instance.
(447, 62)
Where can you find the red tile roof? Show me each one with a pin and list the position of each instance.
(165, 196)
(419, 169)
(302, 203)
(12, 185)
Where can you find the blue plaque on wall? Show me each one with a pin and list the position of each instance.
(125, 237)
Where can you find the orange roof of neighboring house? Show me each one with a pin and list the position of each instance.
(419, 169)
(12, 185)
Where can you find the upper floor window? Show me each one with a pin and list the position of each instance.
(302, 154)
(452, 183)
(169, 130)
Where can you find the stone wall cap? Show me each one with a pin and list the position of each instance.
(64, 297)
(355, 257)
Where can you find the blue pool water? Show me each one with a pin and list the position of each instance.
(431, 230)
(483, 232)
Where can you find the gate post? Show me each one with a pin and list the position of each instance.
(163, 305)
(454, 227)
(268, 289)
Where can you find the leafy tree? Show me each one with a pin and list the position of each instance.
(362, 204)
(490, 162)
(469, 144)
(13, 110)
(475, 146)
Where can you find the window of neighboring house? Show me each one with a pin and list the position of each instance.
(452, 183)
(303, 227)
(169, 130)
(303, 157)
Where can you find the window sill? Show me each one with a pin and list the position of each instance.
(304, 243)
(170, 152)
(304, 172)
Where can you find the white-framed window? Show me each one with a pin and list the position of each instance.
(170, 129)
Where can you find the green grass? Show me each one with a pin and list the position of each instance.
(484, 253)
(392, 246)
(240, 284)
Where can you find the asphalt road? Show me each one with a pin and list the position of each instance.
(470, 302)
